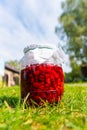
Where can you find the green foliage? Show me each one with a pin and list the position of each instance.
(73, 77)
(14, 63)
(69, 114)
(73, 23)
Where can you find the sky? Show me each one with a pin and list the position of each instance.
(24, 22)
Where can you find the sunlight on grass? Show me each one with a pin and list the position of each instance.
(0, 84)
(69, 114)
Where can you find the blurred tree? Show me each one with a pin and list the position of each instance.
(73, 24)
(14, 64)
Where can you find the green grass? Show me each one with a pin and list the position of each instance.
(69, 114)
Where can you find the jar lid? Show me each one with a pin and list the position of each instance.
(40, 46)
(43, 53)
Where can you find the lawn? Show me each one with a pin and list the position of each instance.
(69, 114)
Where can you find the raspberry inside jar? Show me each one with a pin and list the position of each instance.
(43, 82)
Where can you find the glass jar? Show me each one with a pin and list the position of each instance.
(42, 78)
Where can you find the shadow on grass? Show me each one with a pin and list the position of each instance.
(10, 101)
